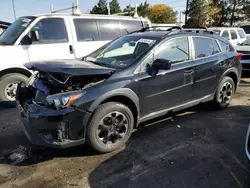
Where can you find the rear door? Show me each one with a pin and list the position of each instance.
(168, 88)
(207, 62)
(55, 40)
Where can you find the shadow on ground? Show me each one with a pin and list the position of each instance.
(196, 148)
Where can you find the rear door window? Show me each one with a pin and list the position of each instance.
(127, 26)
(233, 34)
(205, 47)
(108, 29)
(225, 47)
(86, 30)
(241, 33)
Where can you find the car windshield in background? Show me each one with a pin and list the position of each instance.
(122, 52)
(11, 34)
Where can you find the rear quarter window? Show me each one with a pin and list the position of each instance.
(241, 33)
(225, 46)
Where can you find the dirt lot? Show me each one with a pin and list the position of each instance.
(196, 148)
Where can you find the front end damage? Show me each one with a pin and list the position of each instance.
(46, 107)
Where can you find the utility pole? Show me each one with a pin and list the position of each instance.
(13, 5)
(186, 16)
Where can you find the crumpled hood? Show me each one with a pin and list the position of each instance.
(71, 67)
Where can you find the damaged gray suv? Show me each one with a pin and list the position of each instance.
(101, 98)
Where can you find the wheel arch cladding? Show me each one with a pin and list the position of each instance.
(124, 96)
(15, 70)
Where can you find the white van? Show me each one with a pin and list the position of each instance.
(55, 36)
(235, 35)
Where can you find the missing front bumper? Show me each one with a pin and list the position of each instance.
(53, 128)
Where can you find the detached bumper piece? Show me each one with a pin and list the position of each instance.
(248, 143)
(52, 128)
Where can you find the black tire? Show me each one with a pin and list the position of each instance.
(8, 79)
(102, 111)
(219, 102)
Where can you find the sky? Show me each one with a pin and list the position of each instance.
(31, 7)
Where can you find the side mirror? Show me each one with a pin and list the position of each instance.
(161, 64)
(158, 64)
(34, 35)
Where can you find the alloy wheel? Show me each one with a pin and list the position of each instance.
(112, 128)
(226, 93)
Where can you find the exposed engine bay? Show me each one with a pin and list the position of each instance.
(60, 82)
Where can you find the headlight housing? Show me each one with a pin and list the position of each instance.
(64, 100)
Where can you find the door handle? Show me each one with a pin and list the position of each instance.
(188, 71)
(71, 50)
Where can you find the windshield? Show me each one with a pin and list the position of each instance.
(122, 52)
(11, 34)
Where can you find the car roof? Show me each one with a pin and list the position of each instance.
(92, 16)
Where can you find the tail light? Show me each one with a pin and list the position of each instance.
(239, 56)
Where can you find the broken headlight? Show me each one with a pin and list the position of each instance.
(64, 100)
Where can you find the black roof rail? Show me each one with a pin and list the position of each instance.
(154, 27)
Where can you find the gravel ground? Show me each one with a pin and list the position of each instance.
(195, 148)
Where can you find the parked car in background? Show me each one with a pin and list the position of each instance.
(247, 146)
(244, 49)
(234, 35)
(246, 28)
(101, 98)
(3, 26)
(55, 36)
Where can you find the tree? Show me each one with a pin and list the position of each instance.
(161, 13)
(114, 7)
(142, 9)
(100, 8)
(198, 13)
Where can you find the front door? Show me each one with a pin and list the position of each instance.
(168, 88)
(55, 40)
